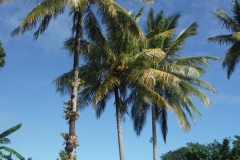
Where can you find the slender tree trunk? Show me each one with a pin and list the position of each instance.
(119, 124)
(154, 133)
(72, 138)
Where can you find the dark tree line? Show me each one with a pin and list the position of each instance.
(228, 149)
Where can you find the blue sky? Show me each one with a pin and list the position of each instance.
(28, 96)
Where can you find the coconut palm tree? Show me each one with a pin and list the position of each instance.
(187, 71)
(48, 9)
(2, 55)
(233, 25)
(5, 140)
(119, 67)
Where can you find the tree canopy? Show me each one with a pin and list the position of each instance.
(227, 150)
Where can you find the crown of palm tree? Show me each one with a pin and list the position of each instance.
(232, 24)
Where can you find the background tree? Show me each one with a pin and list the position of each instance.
(5, 140)
(232, 24)
(2, 55)
(185, 73)
(215, 150)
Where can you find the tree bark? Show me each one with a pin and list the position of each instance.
(154, 133)
(71, 145)
(119, 124)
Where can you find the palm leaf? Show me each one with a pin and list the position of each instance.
(10, 131)
(227, 39)
(227, 22)
(179, 41)
(108, 84)
(232, 58)
(10, 150)
(4, 141)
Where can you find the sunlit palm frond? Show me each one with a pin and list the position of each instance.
(43, 12)
(178, 43)
(159, 35)
(181, 116)
(195, 61)
(227, 21)
(195, 92)
(128, 22)
(108, 84)
(150, 55)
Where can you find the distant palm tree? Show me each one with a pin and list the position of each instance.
(232, 24)
(2, 55)
(186, 72)
(5, 140)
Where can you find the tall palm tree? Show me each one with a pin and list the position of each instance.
(233, 25)
(119, 67)
(5, 140)
(43, 13)
(187, 71)
(2, 55)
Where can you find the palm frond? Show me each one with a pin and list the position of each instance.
(10, 131)
(195, 61)
(182, 118)
(231, 59)
(108, 83)
(181, 38)
(5, 141)
(222, 39)
(235, 11)
(10, 150)
(161, 114)
(227, 22)
(42, 12)
(139, 114)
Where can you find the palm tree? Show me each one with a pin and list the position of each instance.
(48, 9)
(119, 67)
(233, 25)
(187, 71)
(5, 140)
(2, 55)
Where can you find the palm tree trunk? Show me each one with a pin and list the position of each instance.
(119, 124)
(154, 133)
(72, 138)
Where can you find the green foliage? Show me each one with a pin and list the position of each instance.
(231, 24)
(2, 55)
(64, 156)
(4, 140)
(211, 151)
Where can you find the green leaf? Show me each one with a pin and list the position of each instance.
(10, 130)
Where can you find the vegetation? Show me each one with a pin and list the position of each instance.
(5, 140)
(227, 150)
(2, 55)
(144, 72)
(44, 12)
(179, 78)
(232, 24)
